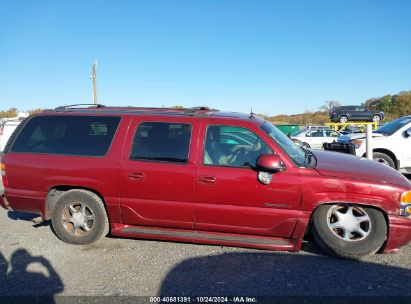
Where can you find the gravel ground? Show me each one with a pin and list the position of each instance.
(34, 262)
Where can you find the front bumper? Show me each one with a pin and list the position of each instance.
(399, 233)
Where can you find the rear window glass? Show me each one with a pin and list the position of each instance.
(162, 142)
(67, 135)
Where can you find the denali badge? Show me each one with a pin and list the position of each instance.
(277, 205)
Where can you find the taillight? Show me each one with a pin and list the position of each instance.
(3, 175)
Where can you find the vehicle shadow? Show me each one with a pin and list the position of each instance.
(285, 275)
(29, 217)
(19, 284)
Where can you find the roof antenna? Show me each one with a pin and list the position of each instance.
(251, 113)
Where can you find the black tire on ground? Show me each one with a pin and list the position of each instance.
(376, 118)
(343, 119)
(98, 226)
(335, 246)
(383, 159)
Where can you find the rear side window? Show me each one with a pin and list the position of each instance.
(162, 142)
(331, 133)
(67, 135)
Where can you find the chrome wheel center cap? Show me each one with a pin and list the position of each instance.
(349, 223)
(78, 218)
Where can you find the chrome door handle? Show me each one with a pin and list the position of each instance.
(207, 179)
(136, 176)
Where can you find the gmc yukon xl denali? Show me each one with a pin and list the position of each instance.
(201, 176)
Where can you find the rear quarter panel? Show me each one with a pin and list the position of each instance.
(31, 176)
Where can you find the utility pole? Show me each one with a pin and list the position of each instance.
(94, 80)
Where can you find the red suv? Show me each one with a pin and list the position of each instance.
(198, 175)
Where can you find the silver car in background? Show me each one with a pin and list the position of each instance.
(315, 136)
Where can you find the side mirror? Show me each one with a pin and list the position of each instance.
(269, 163)
(408, 133)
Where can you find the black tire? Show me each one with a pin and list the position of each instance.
(94, 209)
(376, 117)
(336, 246)
(383, 159)
(343, 119)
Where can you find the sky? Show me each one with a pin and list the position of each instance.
(276, 57)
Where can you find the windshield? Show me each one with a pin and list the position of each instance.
(296, 153)
(393, 126)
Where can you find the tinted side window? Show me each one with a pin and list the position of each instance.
(67, 135)
(232, 147)
(331, 133)
(317, 133)
(163, 142)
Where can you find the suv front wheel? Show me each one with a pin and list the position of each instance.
(349, 231)
(376, 118)
(79, 217)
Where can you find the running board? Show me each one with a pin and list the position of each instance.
(207, 237)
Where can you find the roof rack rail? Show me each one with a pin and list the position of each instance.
(90, 105)
(200, 108)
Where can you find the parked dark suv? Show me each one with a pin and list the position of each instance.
(198, 175)
(354, 113)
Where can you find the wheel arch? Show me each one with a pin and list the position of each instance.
(384, 213)
(57, 191)
(351, 203)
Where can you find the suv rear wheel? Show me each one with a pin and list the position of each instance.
(79, 217)
(349, 231)
(343, 119)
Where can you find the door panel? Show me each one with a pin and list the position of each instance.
(366, 115)
(157, 184)
(363, 114)
(238, 203)
(354, 114)
(317, 138)
(234, 201)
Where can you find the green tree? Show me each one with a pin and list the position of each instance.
(329, 104)
(401, 104)
(12, 112)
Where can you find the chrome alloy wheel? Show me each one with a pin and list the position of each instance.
(376, 118)
(349, 223)
(78, 219)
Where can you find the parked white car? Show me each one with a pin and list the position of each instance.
(391, 144)
(7, 127)
(314, 137)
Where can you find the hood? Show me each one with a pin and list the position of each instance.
(348, 137)
(348, 166)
